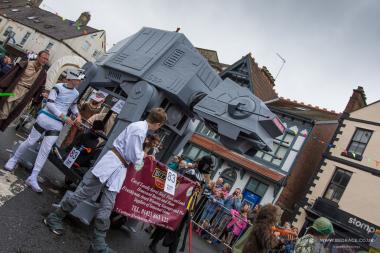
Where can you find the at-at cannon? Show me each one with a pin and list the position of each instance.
(156, 68)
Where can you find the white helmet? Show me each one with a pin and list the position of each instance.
(75, 74)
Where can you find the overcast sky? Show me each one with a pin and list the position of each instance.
(330, 47)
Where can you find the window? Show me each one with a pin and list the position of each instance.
(337, 185)
(86, 45)
(193, 152)
(229, 176)
(256, 187)
(204, 130)
(358, 144)
(7, 31)
(280, 149)
(27, 35)
(202, 153)
(96, 54)
(49, 46)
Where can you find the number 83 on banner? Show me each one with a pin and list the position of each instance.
(170, 182)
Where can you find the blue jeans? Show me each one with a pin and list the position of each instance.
(209, 211)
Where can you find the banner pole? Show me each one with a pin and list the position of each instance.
(190, 234)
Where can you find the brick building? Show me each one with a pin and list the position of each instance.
(322, 125)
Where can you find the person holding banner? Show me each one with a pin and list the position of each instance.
(199, 174)
(50, 120)
(108, 176)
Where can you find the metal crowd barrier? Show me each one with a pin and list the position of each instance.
(216, 230)
(212, 225)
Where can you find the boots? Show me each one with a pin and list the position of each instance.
(11, 164)
(32, 181)
(98, 244)
(54, 221)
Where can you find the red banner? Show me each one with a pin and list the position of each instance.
(142, 196)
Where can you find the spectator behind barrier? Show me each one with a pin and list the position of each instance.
(234, 201)
(174, 163)
(237, 224)
(219, 183)
(210, 208)
(182, 167)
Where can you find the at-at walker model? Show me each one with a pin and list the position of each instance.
(156, 68)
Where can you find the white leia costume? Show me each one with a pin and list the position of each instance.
(61, 99)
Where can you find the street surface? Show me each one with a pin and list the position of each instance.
(22, 211)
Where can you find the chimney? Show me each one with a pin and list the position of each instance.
(83, 19)
(357, 100)
(35, 3)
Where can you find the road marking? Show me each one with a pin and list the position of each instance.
(10, 186)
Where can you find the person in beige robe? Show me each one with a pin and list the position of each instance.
(27, 82)
(87, 110)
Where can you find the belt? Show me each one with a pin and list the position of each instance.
(121, 158)
(50, 115)
(42, 130)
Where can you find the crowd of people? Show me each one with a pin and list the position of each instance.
(224, 217)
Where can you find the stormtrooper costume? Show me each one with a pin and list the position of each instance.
(49, 122)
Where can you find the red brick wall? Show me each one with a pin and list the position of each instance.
(357, 100)
(306, 164)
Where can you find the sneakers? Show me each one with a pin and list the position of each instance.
(33, 184)
(10, 165)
